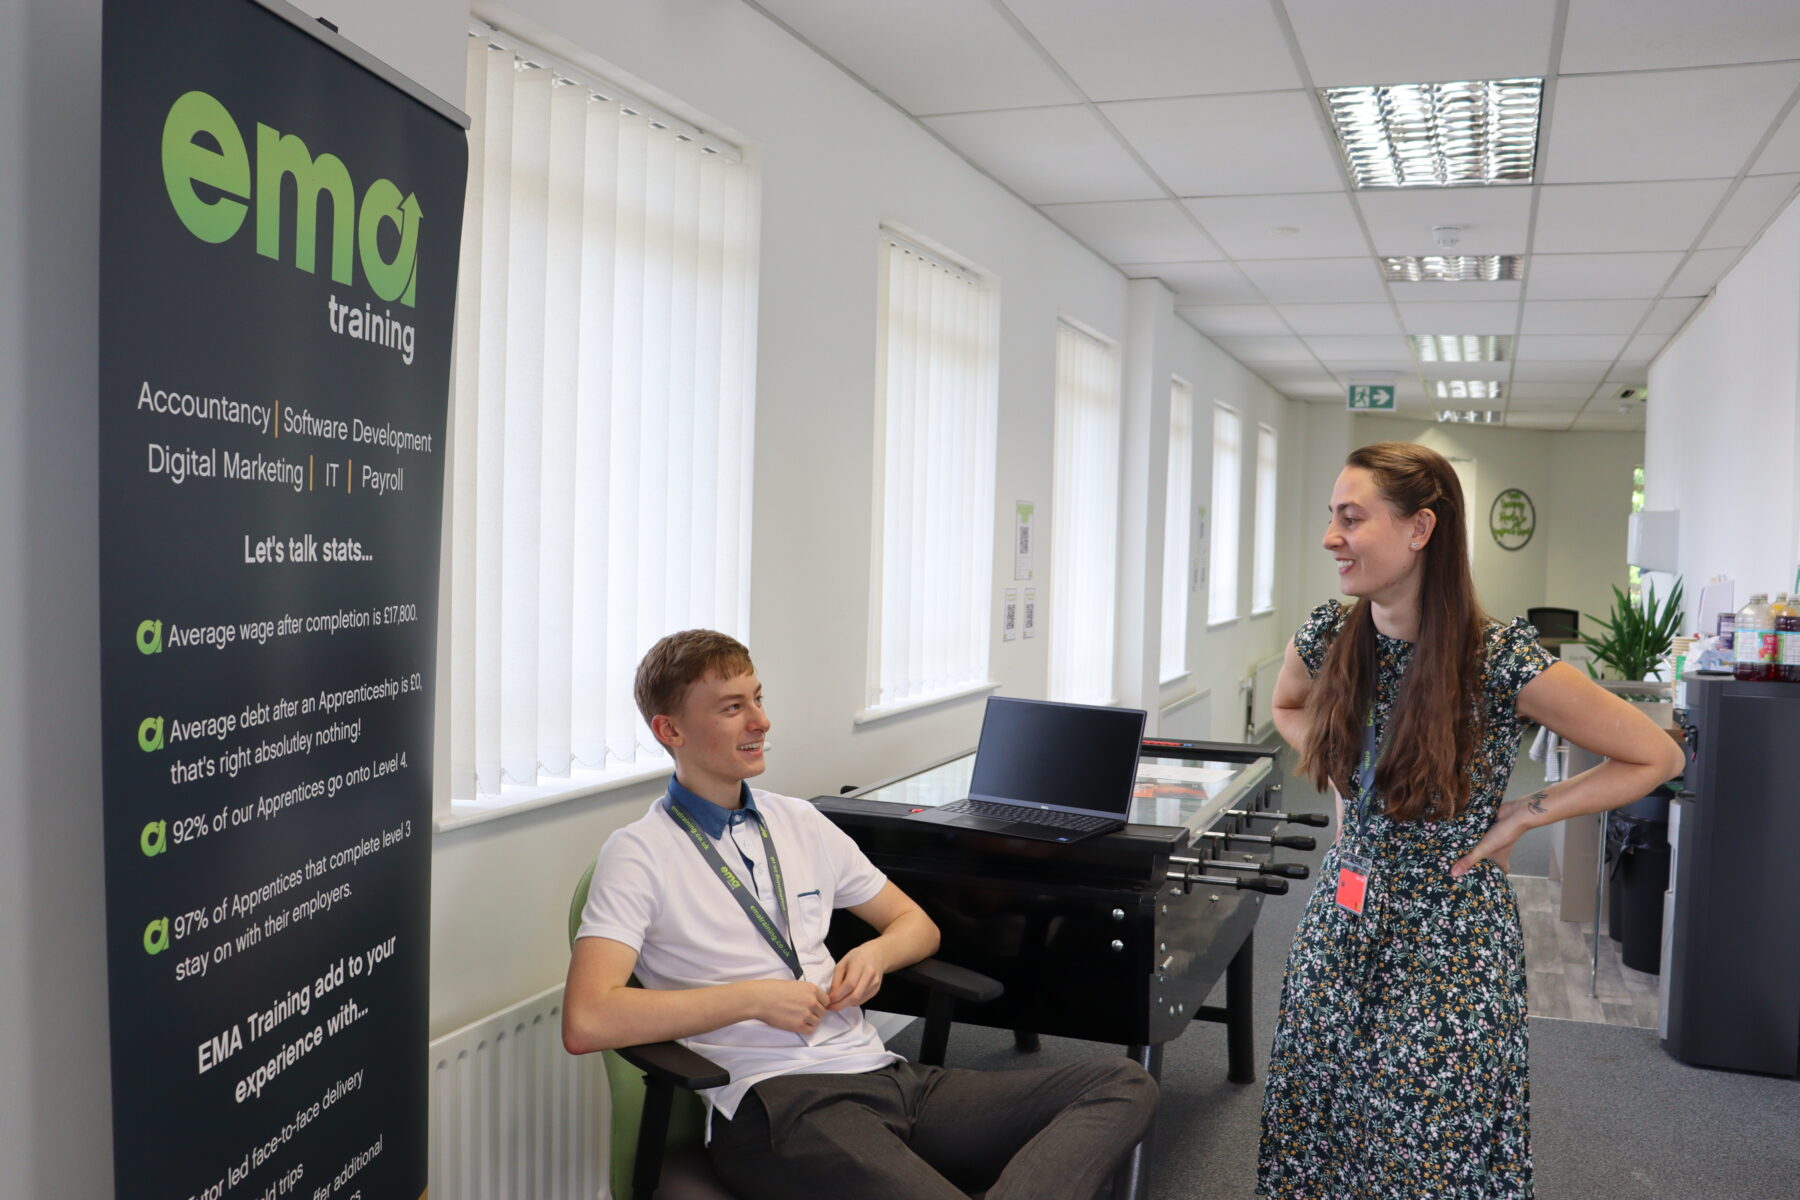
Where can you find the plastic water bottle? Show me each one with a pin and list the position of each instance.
(1753, 643)
(1787, 641)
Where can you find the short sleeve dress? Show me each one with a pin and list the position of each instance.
(1399, 1065)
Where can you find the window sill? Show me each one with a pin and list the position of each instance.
(1170, 680)
(871, 716)
(516, 800)
(1221, 622)
(1262, 612)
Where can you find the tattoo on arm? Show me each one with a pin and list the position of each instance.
(1535, 802)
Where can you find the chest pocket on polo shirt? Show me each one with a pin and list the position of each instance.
(811, 916)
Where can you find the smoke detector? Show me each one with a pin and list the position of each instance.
(1446, 235)
(1634, 393)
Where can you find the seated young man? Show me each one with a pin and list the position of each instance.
(816, 1106)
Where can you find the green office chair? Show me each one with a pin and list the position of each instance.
(655, 1109)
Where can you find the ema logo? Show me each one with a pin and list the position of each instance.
(226, 174)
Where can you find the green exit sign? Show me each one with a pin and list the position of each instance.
(1371, 396)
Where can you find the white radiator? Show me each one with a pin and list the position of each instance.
(1259, 717)
(515, 1117)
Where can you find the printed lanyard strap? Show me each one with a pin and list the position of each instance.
(735, 884)
(1365, 773)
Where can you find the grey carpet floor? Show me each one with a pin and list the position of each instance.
(1613, 1117)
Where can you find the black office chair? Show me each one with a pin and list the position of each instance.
(1555, 622)
(667, 1066)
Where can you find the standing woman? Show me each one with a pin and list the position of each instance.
(1399, 1065)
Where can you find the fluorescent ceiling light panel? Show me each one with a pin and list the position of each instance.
(1469, 416)
(1452, 268)
(1438, 134)
(1462, 347)
(1467, 389)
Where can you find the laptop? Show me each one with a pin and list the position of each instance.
(1048, 771)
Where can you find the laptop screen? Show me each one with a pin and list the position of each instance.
(1067, 756)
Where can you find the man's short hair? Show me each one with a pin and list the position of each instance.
(681, 660)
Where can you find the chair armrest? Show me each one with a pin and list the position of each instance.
(673, 1063)
(957, 982)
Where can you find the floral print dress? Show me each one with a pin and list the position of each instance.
(1399, 1065)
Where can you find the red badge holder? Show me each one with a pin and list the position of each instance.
(1353, 882)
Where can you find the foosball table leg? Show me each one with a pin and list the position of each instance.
(1025, 1041)
(1133, 1180)
(1240, 1027)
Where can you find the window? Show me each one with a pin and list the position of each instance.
(934, 460)
(1084, 518)
(603, 404)
(1222, 591)
(1178, 529)
(1262, 569)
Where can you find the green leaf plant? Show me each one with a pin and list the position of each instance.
(1638, 636)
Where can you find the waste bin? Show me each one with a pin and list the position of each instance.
(1637, 847)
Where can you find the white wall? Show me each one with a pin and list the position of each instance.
(1722, 442)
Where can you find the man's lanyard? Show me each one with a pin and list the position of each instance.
(735, 885)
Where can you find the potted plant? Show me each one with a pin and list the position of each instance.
(1633, 643)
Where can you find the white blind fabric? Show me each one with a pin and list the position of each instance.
(937, 404)
(1262, 568)
(1084, 518)
(1227, 481)
(603, 407)
(1178, 529)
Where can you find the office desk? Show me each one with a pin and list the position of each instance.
(1114, 939)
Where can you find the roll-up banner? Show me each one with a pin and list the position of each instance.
(280, 223)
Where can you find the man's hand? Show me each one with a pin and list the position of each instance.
(857, 978)
(790, 1004)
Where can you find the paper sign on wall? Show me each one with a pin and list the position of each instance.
(1024, 547)
(1009, 615)
(1030, 612)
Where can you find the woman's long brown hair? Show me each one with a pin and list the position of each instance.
(1432, 734)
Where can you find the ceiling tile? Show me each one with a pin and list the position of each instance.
(1601, 217)
(1398, 368)
(1265, 349)
(1324, 390)
(1199, 282)
(1625, 35)
(1320, 225)
(1292, 372)
(1598, 276)
(1309, 319)
(1749, 209)
(1662, 124)
(1137, 231)
(1702, 270)
(1316, 280)
(1493, 219)
(1548, 422)
(1245, 145)
(1460, 318)
(1235, 320)
(929, 56)
(1644, 347)
(1570, 348)
(1422, 41)
(1582, 316)
(1485, 291)
(1560, 372)
(1148, 48)
(1669, 315)
(1549, 393)
(1608, 421)
(1343, 348)
(1049, 155)
(1783, 151)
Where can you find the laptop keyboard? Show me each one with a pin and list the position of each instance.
(1074, 822)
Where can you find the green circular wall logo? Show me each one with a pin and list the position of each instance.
(1512, 520)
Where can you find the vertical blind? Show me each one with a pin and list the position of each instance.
(1262, 570)
(937, 404)
(1084, 518)
(603, 406)
(1178, 504)
(1222, 590)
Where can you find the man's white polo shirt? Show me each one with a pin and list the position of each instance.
(653, 891)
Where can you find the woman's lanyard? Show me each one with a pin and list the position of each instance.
(735, 885)
(1354, 870)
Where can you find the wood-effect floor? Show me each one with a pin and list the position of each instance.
(1559, 966)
